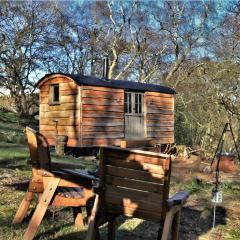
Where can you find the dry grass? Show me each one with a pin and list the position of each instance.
(196, 219)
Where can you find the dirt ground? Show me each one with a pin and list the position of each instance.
(197, 214)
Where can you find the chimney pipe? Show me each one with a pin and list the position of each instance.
(105, 67)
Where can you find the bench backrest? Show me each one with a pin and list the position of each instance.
(38, 148)
(135, 183)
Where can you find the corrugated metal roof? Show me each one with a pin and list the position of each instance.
(123, 84)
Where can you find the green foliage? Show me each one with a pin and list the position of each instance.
(14, 137)
(58, 222)
(196, 185)
(14, 171)
(234, 234)
(7, 103)
(205, 102)
(226, 185)
(182, 128)
(11, 128)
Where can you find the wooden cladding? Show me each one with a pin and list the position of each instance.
(104, 108)
(63, 118)
(102, 94)
(94, 115)
(160, 117)
(63, 121)
(63, 107)
(61, 114)
(102, 115)
(112, 102)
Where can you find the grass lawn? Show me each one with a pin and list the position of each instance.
(196, 219)
(14, 174)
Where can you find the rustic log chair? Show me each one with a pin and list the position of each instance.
(135, 183)
(56, 183)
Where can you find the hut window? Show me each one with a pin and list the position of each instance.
(138, 103)
(54, 94)
(133, 103)
(128, 102)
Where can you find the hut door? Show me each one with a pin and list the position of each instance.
(134, 117)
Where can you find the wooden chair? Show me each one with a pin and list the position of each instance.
(135, 183)
(56, 184)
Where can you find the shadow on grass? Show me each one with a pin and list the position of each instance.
(8, 221)
(193, 224)
(13, 145)
(49, 233)
(54, 221)
(11, 129)
(15, 163)
(20, 186)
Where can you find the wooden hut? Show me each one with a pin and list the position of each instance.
(94, 111)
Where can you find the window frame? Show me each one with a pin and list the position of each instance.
(134, 101)
(52, 100)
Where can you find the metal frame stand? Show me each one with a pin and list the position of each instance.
(227, 128)
(217, 195)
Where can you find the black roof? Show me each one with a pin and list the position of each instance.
(123, 84)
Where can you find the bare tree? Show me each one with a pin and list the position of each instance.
(24, 29)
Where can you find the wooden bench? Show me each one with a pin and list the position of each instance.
(56, 184)
(135, 183)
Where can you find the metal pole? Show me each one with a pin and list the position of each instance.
(234, 141)
(214, 216)
(218, 161)
(224, 130)
(220, 145)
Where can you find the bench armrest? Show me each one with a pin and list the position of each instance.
(66, 165)
(178, 199)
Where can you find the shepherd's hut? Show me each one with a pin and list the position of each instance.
(95, 111)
